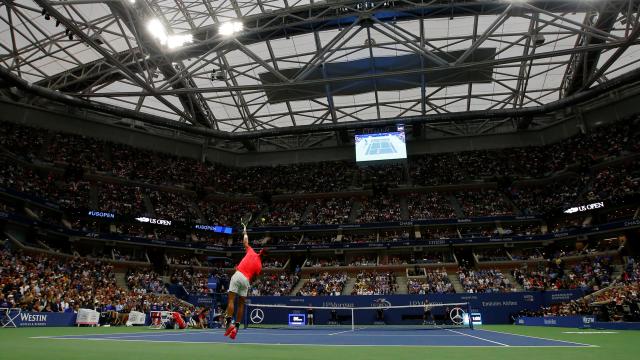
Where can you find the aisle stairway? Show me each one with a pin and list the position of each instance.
(512, 280)
(455, 205)
(401, 281)
(298, 286)
(349, 285)
(356, 208)
(404, 208)
(148, 204)
(121, 279)
(617, 271)
(457, 286)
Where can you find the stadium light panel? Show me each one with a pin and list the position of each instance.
(230, 28)
(159, 32)
(175, 41)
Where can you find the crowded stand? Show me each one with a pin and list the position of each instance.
(626, 212)
(485, 202)
(192, 280)
(27, 180)
(167, 205)
(121, 199)
(615, 182)
(77, 150)
(227, 213)
(276, 284)
(375, 283)
(144, 281)
(390, 175)
(434, 169)
(141, 165)
(379, 209)
(429, 206)
(326, 283)
(431, 281)
(22, 140)
(75, 195)
(557, 195)
(495, 254)
(43, 283)
(295, 178)
(590, 274)
(484, 280)
(285, 213)
(330, 211)
(130, 199)
(619, 302)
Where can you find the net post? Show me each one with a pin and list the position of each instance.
(353, 320)
(245, 316)
(469, 316)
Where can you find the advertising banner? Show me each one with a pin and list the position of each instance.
(87, 317)
(494, 308)
(37, 319)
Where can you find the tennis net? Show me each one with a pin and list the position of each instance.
(382, 316)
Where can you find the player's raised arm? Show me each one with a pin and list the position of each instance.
(245, 238)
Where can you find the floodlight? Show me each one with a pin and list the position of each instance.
(230, 28)
(159, 32)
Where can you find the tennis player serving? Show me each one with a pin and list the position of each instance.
(249, 267)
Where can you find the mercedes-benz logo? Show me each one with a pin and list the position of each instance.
(256, 316)
(457, 315)
(382, 303)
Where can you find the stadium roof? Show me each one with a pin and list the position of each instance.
(318, 63)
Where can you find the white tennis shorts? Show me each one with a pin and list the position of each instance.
(239, 284)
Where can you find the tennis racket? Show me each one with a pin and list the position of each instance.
(245, 221)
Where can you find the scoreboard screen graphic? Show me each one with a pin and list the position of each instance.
(381, 146)
(297, 319)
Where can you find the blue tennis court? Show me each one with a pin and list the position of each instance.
(381, 146)
(333, 337)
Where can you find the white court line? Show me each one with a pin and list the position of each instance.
(537, 337)
(477, 337)
(589, 332)
(322, 345)
(136, 334)
(150, 333)
(341, 332)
